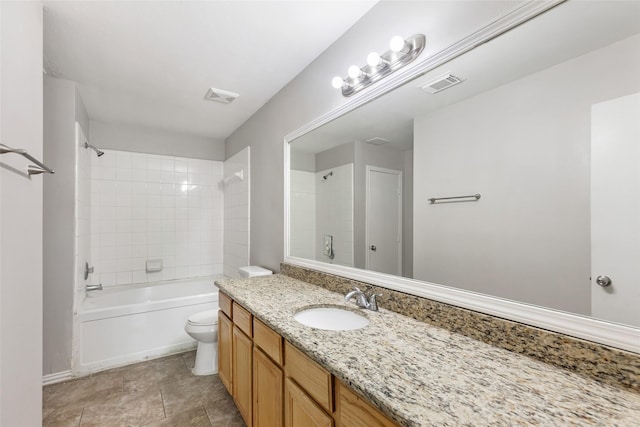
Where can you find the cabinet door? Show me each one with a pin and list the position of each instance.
(241, 373)
(225, 331)
(354, 411)
(300, 410)
(267, 391)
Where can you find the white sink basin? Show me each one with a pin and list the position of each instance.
(331, 318)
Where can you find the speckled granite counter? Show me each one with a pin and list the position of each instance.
(421, 375)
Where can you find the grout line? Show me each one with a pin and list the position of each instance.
(164, 410)
(81, 415)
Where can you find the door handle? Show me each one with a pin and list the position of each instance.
(373, 248)
(603, 281)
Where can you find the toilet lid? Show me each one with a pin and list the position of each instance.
(208, 317)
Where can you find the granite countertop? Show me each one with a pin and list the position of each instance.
(420, 375)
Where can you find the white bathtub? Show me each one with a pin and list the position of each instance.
(127, 324)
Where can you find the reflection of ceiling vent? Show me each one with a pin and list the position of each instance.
(220, 95)
(377, 141)
(441, 83)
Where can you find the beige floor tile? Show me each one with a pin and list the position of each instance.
(80, 397)
(222, 411)
(191, 393)
(128, 410)
(160, 392)
(192, 418)
(61, 416)
(230, 422)
(151, 374)
(189, 359)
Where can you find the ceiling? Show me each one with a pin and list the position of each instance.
(150, 63)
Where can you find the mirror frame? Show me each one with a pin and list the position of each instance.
(607, 333)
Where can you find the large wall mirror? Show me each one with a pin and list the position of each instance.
(544, 128)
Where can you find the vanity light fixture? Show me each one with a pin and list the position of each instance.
(402, 52)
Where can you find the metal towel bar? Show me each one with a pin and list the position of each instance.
(474, 196)
(31, 169)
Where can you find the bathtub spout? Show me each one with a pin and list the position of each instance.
(94, 287)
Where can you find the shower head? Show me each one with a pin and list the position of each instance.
(97, 150)
(327, 175)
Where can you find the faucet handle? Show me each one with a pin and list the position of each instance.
(373, 303)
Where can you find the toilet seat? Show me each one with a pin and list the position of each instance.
(208, 318)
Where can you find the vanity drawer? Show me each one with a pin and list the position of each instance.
(309, 375)
(242, 319)
(268, 340)
(224, 303)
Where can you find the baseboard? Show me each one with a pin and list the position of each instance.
(57, 377)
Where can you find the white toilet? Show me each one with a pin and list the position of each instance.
(203, 327)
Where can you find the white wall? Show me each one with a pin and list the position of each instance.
(236, 213)
(146, 207)
(141, 139)
(21, 124)
(526, 147)
(62, 107)
(303, 214)
(310, 95)
(334, 213)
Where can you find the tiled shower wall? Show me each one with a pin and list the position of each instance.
(151, 207)
(334, 213)
(321, 207)
(302, 219)
(236, 213)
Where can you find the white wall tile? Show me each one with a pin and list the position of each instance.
(150, 206)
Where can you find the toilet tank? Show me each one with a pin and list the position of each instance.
(253, 271)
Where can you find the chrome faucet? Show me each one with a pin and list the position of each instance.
(93, 287)
(363, 299)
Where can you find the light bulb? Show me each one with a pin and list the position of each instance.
(337, 82)
(397, 43)
(373, 59)
(354, 71)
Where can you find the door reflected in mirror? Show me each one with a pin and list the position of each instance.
(545, 127)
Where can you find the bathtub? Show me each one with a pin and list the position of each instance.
(127, 324)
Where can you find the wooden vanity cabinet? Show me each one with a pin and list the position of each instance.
(316, 381)
(274, 384)
(267, 391)
(353, 411)
(301, 410)
(242, 362)
(225, 353)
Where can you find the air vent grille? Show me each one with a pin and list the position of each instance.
(441, 83)
(377, 141)
(219, 95)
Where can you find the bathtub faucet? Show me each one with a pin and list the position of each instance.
(94, 287)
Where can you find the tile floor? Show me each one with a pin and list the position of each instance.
(159, 392)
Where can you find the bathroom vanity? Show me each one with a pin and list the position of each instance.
(271, 392)
(397, 370)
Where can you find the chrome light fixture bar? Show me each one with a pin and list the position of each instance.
(401, 53)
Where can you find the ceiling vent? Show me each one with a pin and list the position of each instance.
(441, 83)
(220, 95)
(377, 141)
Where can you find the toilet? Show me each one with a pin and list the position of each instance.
(203, 327)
